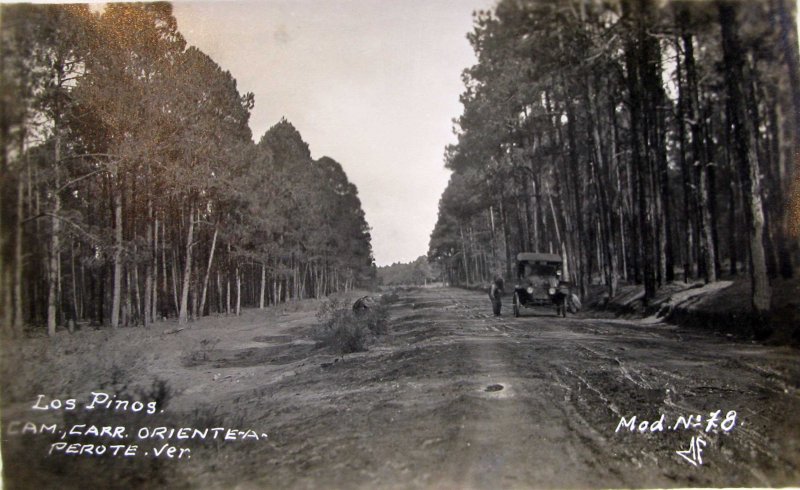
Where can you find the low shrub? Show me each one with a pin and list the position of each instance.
(375, 319)
(347, 337)
(341, 331)
(347, 331)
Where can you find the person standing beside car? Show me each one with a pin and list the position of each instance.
(494, 295)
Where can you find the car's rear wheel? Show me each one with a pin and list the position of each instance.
(564, 307)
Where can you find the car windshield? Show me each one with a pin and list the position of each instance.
(527, 269)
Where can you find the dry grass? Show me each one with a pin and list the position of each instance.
(147, 364)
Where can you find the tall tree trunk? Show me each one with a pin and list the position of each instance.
(220, 307)
(599, 168)
(164, 277)
(583, 251)
(555, 219)
(117, 290)
(208, 272)
(622, 201)
(84, 293)
(6, 301)
(263, 292)
(74, 286)
(686, 173)
(174, 269)
(537, 212)
(700, 162)
(493, 242)
(55, 245)
(506, 238)
(275, 295)
(153, 308)
(18, 262)
(464, 258)
(127, 317)
(194, 303)
(137, 291)
(745, 142)
(238, 292)
(639, 66)
(667, 253)
(183, 315)
(779, 181)
(149, 267)
(228, 293)
(711, 188)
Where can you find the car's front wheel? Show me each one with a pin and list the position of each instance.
(516, 305)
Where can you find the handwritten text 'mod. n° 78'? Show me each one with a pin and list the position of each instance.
(713, 423)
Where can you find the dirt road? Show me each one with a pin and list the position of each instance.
(453, 397)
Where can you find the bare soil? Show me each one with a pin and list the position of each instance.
(451, 397)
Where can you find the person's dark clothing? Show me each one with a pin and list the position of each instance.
(494, 295)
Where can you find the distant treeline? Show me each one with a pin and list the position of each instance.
(643, 141)
(131, 187)
(418, 273)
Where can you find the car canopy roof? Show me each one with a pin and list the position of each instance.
(538, 257)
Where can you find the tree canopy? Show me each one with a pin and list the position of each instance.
(132, 189)
(644, 142)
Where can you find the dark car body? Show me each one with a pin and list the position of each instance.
(539, 283)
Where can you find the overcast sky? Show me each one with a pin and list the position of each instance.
(373, 84)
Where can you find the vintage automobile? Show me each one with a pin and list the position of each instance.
(539, 284)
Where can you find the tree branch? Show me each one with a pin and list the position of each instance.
(65, 220)
(75, 181)
(86, 155)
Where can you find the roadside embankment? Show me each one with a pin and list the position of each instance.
(723, 306)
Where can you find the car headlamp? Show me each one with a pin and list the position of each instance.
(552, 291)
(530, 289)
